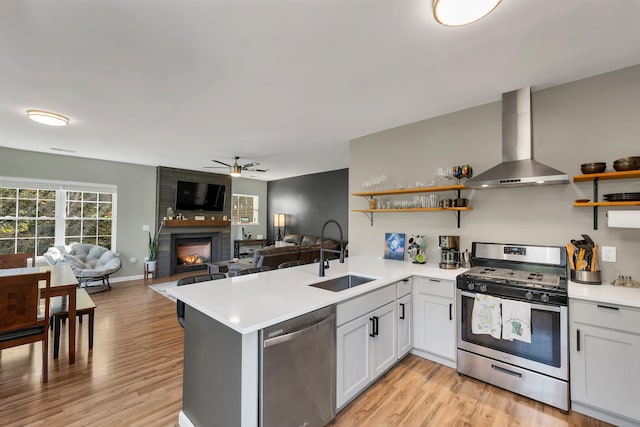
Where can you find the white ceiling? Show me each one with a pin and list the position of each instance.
(286, 83)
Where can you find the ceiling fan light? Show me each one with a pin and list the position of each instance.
(454, 13)
(236, 170)
(47, 118)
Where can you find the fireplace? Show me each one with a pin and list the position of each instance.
(192, 252)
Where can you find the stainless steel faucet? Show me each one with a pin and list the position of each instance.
(323, 250)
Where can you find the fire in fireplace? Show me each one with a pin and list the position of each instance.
(192, 253)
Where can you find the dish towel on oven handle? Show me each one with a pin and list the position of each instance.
(485, 318)
(516, 320)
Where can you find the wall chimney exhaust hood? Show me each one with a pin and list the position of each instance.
(518, 167)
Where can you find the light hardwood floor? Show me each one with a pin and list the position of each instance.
(133, 377)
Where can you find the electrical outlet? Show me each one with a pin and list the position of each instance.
(609, 253)
(145, 227)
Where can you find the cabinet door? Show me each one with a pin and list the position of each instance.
(404, 326)
(435, 330)
(353, 359)
(384, 353)
(604, 369)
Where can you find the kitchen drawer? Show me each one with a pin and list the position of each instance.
(404, 287)
(438, 287)
(363, 304)
(606, 315)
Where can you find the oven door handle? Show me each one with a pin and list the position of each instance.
(533, 305)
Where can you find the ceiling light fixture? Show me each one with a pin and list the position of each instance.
(47, 118)
(236, 170)
(454, 13)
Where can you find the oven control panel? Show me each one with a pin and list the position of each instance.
(511, 291)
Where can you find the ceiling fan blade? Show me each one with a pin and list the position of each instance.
(222, 163)
(215, 167)
(250, 165)
(257, 170)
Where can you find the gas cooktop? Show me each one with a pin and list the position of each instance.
(515, 277)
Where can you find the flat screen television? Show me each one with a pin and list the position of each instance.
(194, 196)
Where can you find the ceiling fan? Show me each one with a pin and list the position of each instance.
(235, 169)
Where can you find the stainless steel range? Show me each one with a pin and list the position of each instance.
(535, 365)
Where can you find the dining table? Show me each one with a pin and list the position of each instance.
(63, 283)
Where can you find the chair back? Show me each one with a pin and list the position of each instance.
(22, 318)
(291, 264)
(18, 260)
(188, 281)
(249, 271)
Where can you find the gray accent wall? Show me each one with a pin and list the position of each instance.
(136, 194)
(309, 201)
(590, 120)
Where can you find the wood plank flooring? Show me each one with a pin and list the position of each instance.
(133, 377)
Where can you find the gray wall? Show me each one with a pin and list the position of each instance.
(590, 120)
(136, 193)
(309, 201)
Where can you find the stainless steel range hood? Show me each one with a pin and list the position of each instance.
(518, 167)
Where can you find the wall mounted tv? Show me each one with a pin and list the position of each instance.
(193, 196)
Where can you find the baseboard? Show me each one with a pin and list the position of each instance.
(603, 415)
(126, 278)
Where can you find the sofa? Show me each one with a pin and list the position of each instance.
(294, 247)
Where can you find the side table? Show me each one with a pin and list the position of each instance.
(248, 242)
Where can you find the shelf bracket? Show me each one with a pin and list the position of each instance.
(457, 193)
(595, 199)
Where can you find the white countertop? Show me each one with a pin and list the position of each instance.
(605, 293)
(252, 302)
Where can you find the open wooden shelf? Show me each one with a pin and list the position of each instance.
(412, 210)
(597, 177)
(607, 175)
(411, 191)
(195, 223)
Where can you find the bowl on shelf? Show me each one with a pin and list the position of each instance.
(627, 164)
(597, 167)
(461, 203)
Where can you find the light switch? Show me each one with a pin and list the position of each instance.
(145, 227)
(609, 253)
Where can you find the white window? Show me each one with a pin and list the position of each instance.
(244, 209)
(35, 215)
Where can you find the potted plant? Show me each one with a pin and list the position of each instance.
(153, 251)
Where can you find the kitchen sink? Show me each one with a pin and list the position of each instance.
(342, 283)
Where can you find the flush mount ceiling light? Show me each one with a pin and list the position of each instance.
(47, 118)
(454, 13)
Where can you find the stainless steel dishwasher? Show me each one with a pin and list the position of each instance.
(298, 371)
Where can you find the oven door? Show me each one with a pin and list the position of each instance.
(547, 353)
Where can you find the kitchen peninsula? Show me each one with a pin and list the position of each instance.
(222, 337)
(221, 371)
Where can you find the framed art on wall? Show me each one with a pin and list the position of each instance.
(394, 246)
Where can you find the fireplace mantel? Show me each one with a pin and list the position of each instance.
(196, 223)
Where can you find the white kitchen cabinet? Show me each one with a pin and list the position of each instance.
(366, 347)
(604, 351)
(434, 332)
(405, 331)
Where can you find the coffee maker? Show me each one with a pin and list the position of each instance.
(450, 253)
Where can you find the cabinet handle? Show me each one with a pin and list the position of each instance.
(608, 307)
(434, 280)
(402, 306)
(578, 340)
(372, 334)
(405, 280)
(375, 323)
(451, 311)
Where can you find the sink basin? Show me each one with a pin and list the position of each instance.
(342, 283)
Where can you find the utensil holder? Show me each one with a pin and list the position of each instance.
(586, 277)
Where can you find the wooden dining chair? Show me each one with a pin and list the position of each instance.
(22, 319)
(18, 260)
